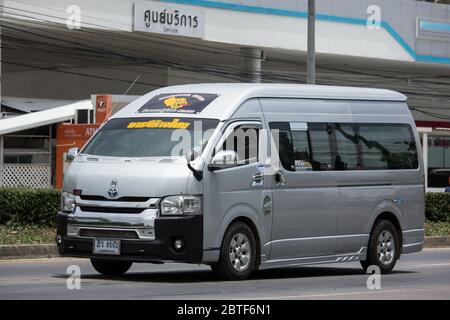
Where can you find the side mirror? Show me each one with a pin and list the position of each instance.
(223, 159)
(72, 153)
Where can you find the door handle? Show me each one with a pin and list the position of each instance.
(280, 178)
(258, 179)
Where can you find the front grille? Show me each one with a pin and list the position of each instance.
(99, 233)
(123, 199)
(111, 210)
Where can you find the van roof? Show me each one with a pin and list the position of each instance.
(231, 95)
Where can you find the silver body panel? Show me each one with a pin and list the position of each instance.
(316, 217)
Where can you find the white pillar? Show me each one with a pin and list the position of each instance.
(425, 157)
(251, 59)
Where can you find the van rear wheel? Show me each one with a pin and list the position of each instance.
(384, 247)
(237, 253)
(110, 267)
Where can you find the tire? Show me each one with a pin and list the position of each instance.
(384, 247)
(110, 267)
(238, 242)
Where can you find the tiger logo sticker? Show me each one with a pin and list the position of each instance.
(175, 103)
(188, 103)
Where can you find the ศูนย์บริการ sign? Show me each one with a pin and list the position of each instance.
(158, 17)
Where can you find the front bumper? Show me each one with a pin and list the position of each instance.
(155, 247)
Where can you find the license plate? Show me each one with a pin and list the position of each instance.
(107, 246)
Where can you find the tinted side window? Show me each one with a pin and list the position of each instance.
(302, 154)
(281, 132)
(387, 147)
(346, 147)
(245, 143)
(321, 138)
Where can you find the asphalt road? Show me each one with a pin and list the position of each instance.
(424, 275)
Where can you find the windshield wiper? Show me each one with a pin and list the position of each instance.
(190, 157)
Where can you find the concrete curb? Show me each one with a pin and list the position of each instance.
(26, 251)
(434, 242)
(23, 251)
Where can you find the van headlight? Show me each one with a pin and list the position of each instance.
(67, 202)
(181, 205)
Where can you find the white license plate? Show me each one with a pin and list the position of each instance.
(107, 246)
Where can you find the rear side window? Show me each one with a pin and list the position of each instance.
(387, 147)
(281, 132)
(321, 139)
(344, 146)
(302, 154)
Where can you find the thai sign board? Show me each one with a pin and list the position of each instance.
(170, 19)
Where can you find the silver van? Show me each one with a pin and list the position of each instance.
(247, 176)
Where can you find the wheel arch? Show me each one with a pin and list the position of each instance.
(252, 225)
(391, 217)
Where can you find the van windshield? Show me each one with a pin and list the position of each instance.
(151, 137)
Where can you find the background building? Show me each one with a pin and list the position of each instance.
(60, 52)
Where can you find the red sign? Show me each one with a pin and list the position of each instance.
(76, 135)
(70, 136)
(103, 108)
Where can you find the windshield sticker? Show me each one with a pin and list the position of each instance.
(191, 103)
(157, 123)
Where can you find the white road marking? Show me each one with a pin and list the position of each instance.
(428, 265)
(335, 294)
(322, 295)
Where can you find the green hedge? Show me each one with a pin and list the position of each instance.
(437, 206)
(26, 206)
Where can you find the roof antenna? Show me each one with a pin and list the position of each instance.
(121, 97)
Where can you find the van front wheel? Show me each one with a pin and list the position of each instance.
(110, 267)
(237, 254)
(384, 247)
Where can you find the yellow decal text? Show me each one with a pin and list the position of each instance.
(174, 124)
